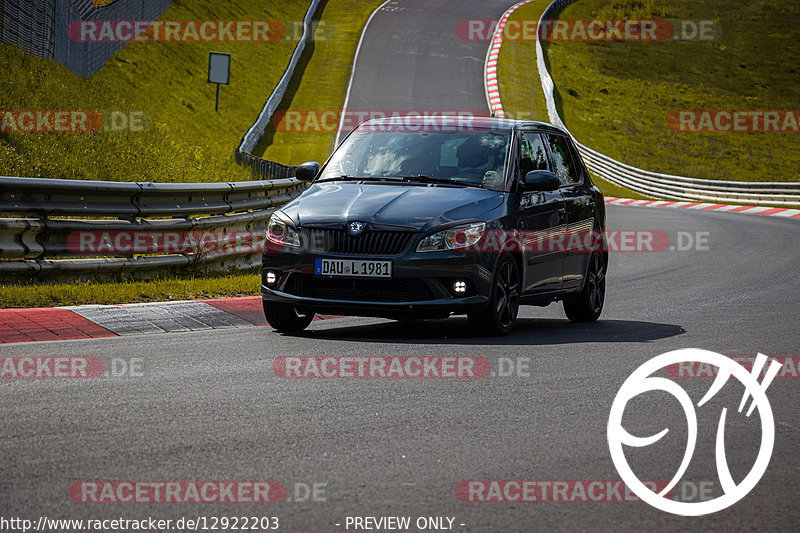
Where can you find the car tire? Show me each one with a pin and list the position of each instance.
(587, 305)
(500, 315)
(286, 318)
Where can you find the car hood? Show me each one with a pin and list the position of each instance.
(412, 206)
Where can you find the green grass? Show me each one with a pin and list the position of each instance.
(62, 294)
(615, 96)
(323, 85)
(611, 190)
(186, 140)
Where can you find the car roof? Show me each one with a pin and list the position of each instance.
(455, 118)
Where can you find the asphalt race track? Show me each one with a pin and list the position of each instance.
(411, 56)
(208, 406)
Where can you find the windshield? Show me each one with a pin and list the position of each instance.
(476, 158)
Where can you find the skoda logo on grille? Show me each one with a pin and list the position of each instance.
(356, 228)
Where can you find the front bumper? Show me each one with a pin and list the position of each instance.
(420, 286)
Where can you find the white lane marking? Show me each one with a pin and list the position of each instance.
(787, 213)
(353, 73)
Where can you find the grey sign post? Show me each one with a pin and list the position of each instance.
(219, 71)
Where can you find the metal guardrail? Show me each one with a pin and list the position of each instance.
(655, 184)
(35, 245)
(692, 189)
(262, 167)
(29, 246)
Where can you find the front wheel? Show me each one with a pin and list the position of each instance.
(587, 305)
(286, 318)
(500, 315)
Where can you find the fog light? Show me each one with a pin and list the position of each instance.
(271, 278)
(460, 287)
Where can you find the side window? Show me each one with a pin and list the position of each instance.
(563, 163)
(532, 153)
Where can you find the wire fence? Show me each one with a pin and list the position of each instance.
(42, 28)
(29, 25)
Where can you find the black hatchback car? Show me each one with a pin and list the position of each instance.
(424, 218)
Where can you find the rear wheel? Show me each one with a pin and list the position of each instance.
(587, 305)
(500, 315)
(286, 318)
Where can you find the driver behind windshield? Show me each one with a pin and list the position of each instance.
(476, 159)
(478, 156)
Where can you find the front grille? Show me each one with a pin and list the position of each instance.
(371, 242)
(370, 290)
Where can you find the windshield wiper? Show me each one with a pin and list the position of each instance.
(345, 177)
(422, 178)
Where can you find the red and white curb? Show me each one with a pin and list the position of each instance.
(95, 321)
(743, 209)
(490, 80)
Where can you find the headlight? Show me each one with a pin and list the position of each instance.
(453, 238)
(279, 232)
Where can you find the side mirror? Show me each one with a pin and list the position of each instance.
(307, 171)
(540, 180)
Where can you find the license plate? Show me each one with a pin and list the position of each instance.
(353, 268)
